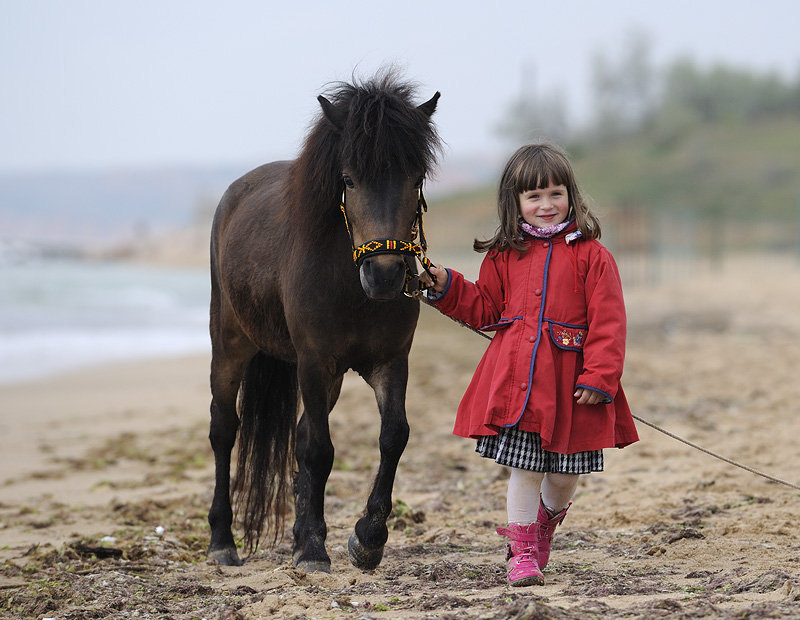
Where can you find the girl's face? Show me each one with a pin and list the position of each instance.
(544, 207)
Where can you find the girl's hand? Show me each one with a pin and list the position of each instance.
(588, 397)
(441, 278)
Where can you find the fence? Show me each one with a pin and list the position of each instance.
(653, 247)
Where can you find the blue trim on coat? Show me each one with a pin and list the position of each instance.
(594, 389)
(538, 334)
(434, 297)
(503, 322)
(551, 321)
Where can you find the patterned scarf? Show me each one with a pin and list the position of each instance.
(544, 233)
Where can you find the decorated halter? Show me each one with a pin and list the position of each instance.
(396, 246)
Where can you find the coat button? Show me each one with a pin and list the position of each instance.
(537, 292)
(546, 244)
(532, 339)
(523, 386)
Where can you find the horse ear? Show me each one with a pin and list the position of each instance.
(429, 107)
(335, 116)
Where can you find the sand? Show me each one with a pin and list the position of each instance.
(106, 474)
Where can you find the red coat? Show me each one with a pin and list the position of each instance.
(559, 321)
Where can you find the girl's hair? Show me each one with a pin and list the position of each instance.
(536, 166)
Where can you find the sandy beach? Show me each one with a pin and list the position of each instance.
(106, 475)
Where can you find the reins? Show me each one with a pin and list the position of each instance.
(655, 426)
(410, 248)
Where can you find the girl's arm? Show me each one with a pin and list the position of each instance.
(477, 303)
(604, 348)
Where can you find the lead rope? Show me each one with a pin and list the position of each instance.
(417, 228)
(650, 424)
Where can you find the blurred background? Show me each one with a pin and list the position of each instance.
(121, 124)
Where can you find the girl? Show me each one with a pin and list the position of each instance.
(546, 396)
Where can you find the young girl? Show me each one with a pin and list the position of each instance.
(546, 396)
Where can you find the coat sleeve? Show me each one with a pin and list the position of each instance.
(477, 303)
(604, 348)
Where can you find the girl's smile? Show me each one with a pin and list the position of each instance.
(544, 207)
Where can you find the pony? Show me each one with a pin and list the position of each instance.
(292, 311)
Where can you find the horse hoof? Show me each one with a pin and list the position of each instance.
(226, 556)
(313, 566)
(363, 557)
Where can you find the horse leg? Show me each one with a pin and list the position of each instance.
(226, 375)
(365, 546)
(314, 454)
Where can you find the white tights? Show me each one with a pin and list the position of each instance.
(524, 487)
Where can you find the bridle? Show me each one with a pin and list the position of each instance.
(397, 246)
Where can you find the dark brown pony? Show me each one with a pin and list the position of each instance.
(291, 313)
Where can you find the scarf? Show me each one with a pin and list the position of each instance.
(546, 232)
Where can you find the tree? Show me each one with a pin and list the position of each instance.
(724, 93)
(624, 89)
(531, 117)
(528, 120)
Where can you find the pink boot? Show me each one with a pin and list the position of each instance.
(547, 522)
(521, 552)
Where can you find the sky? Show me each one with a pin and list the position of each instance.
(95, 84)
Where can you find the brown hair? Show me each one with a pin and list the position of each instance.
(535, 166)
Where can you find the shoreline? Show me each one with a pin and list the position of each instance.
(57, 316)
(57, 371)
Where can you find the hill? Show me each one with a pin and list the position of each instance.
(747, 171)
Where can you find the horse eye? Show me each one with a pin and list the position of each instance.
(419, 182)
(348, 181)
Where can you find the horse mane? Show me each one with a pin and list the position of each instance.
(383, 130)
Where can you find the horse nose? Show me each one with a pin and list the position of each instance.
(382, 277)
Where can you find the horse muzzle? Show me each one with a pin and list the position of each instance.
(383, 276)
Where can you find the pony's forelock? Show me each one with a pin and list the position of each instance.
(383, 130)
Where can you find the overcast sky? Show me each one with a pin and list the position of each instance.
(99, 83)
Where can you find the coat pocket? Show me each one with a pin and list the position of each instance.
(567, 336)
(501, 324)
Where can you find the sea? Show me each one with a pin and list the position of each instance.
(59, 314)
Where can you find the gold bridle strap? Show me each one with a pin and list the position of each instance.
(385, 246)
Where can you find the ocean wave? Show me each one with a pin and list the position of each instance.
(30, 355)
(57, 315)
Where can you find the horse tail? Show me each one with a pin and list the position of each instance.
(268, 418)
